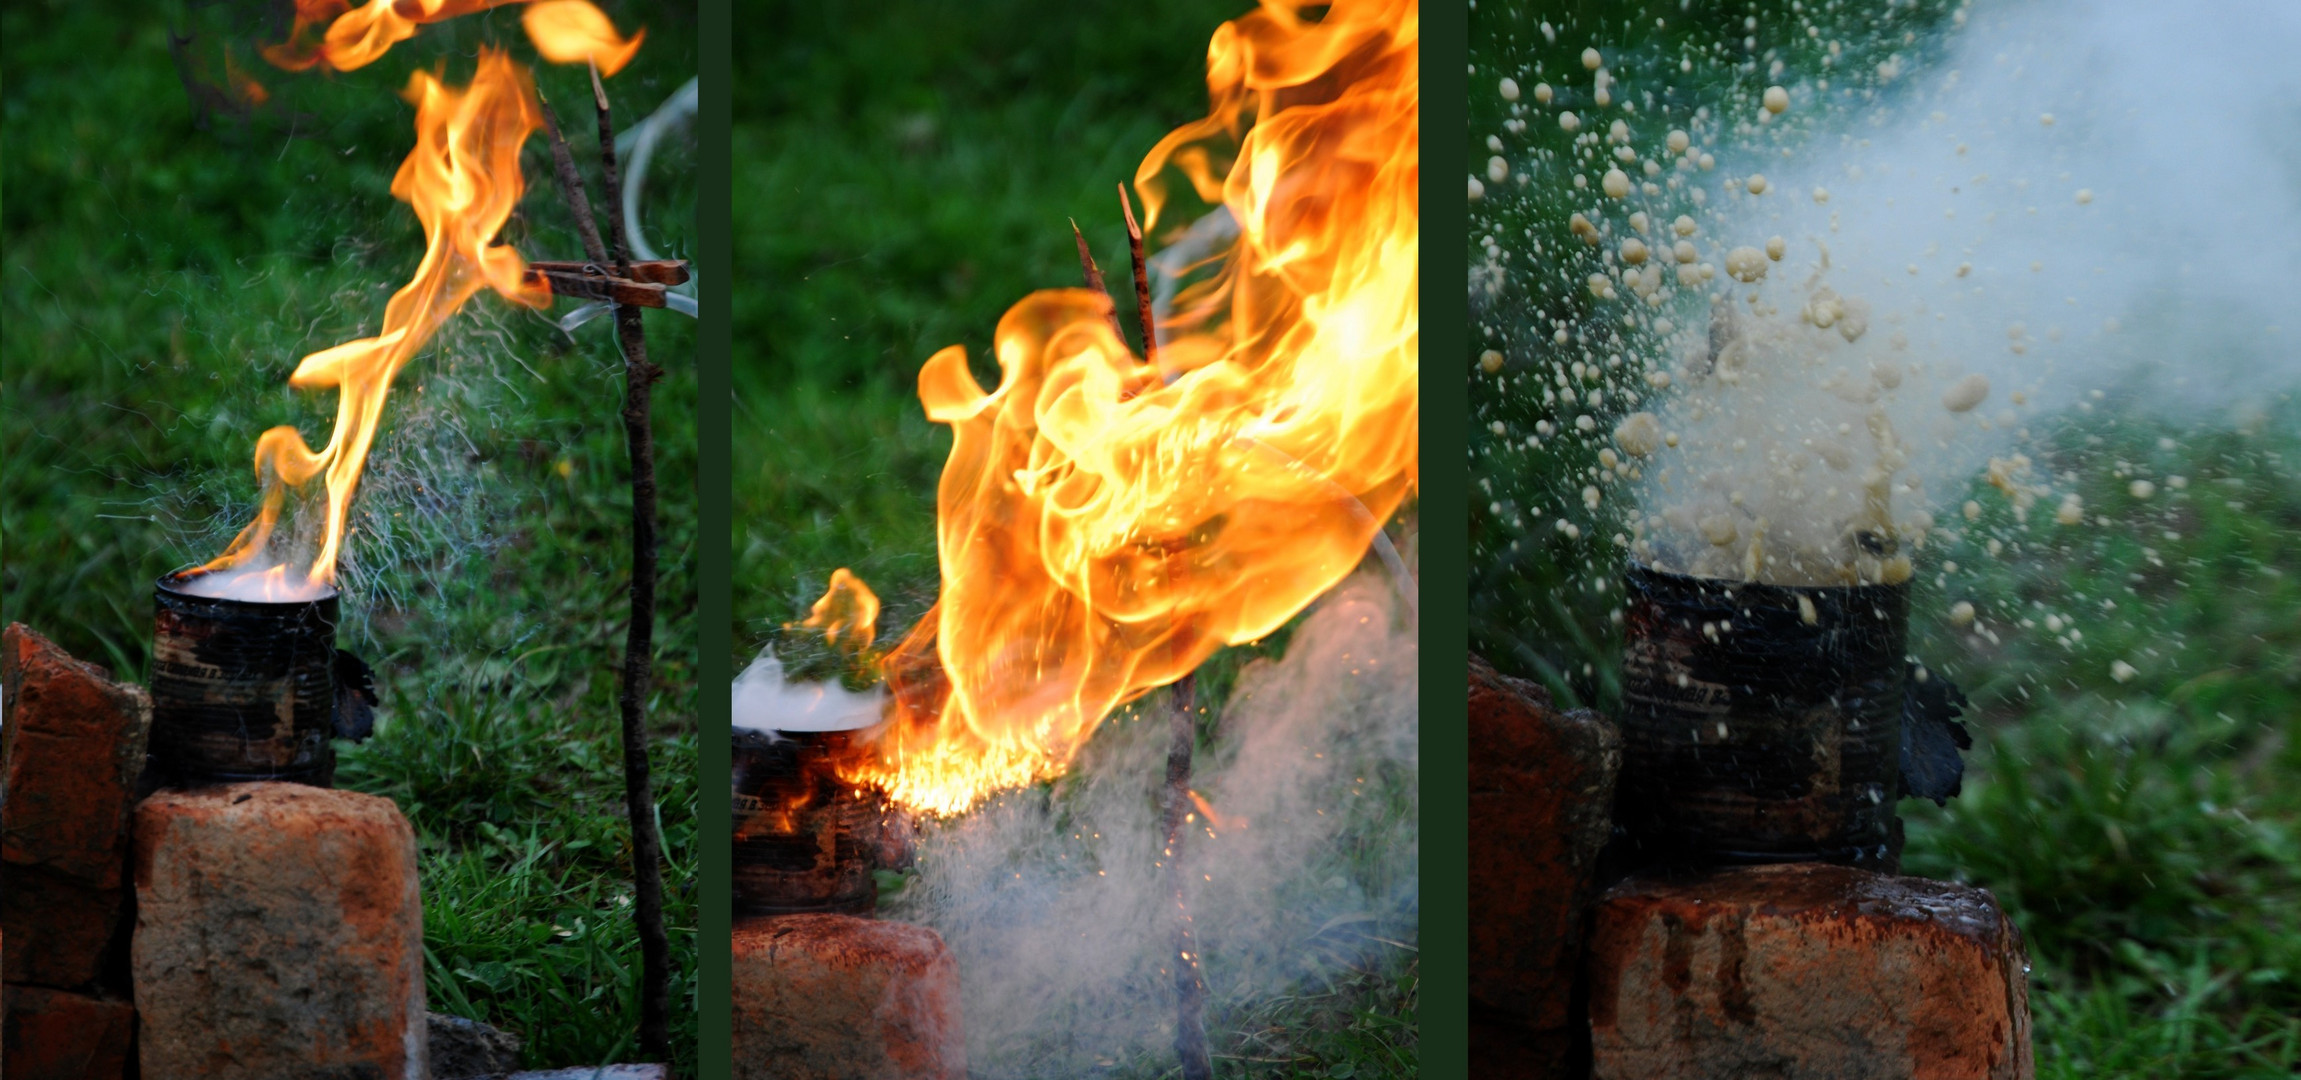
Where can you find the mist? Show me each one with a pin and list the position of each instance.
(1061, 916)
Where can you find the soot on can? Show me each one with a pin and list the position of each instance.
(241, 689)
(1762, 723)
(805, 840)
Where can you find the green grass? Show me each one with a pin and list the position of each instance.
(165, 269)
(2145, 835)
(894, 194)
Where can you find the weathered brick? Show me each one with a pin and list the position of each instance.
(834, 997)
(73, 746)
(1806, 972)
(278, 933)
(1541, 803)
(57, 929)
(59, 1035)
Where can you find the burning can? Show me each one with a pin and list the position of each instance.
(1762, 723)
(804, 838)
(241, 689)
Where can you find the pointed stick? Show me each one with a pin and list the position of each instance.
(639, 638)
(1142, 279)
(1189, 988)
(1095, 276)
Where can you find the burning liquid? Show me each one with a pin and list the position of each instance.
(462, 181)
(1105, 525)
(268, 586)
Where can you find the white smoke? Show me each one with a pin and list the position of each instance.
(2122, 177)
(1058, 910)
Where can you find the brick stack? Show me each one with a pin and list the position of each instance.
(279, 932)
(1798, 971)
(71, 752)
(1541, 798)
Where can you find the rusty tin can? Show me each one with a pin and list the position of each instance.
(1762, 723)
(805, 840)
(241, 690)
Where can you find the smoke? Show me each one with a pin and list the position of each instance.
(2073, 203)
(1061, 916)
(2076, 197)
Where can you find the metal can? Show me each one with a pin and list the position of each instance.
(241, 689)
(1762, 723)
(804, 838)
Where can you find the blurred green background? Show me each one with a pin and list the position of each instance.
(171, 253)
(2145, 835)
(904, 172)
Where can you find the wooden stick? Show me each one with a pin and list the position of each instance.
(1190, 989)
(1095, 276)
(639, 640)
(571, 185)
(1142, 279)
(652, 272)
(576, 285)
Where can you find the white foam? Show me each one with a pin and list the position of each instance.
(765, 702)
(269, 585)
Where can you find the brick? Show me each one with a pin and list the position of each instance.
(58, 930)
(59, 1035)
(1541, 805)
(835, 997)
(1805, 971)
(74, 747)
(278, 933)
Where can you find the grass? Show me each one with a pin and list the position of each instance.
(894, 194)
(2144, 833)
(166, 265)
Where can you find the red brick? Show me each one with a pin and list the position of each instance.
(1806, 971)
(834, 997)
(1541, 808)
(73, 746)
(58, 1035)
(278, 933)
(57, 929)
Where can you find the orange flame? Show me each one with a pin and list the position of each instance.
(1104, 525)
(564, 32)
(848, 613)
(572, 31)
(462, 181)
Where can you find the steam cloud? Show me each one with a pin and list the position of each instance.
(2125, 180)
(1061, 918)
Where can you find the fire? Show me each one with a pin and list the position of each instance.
(462, 181)
(848, 613)
(564, 32)
(572, 31)
(1105, 525)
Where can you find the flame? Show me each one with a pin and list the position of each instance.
(848, 613)
(462, 181)
(1104, 524)
(564, 32)
(572, 31)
